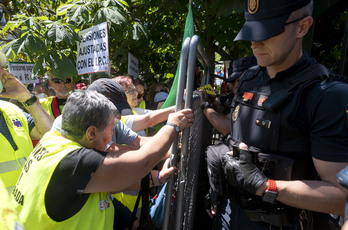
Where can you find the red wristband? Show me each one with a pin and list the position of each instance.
(272, 186)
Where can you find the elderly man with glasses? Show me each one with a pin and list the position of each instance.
(62, 88)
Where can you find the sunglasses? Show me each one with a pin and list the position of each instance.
(140, 95)
(131, 91)
(282, 30)
(58, 81)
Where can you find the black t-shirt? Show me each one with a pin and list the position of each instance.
(64, 195)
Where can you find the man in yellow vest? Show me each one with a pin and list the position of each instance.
(54, 105)
(17, 128)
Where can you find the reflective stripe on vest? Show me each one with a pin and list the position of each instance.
(12, 161)
(9, 166)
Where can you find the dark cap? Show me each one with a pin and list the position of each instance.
(114, 92)
(240, 65)
(265, 18)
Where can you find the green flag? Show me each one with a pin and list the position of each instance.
(189, 32)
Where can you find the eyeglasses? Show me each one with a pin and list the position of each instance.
(282, 30)
(58, 81)
(131, 91)
(140, 95)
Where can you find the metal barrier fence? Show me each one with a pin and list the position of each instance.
(200, 137)
(180, 214)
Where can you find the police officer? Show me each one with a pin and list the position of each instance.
(289, 128)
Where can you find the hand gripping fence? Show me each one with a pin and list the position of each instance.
(179, 213)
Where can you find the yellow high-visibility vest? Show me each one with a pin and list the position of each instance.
(12, 161)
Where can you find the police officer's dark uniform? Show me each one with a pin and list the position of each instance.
(216, 152)
(300, 113)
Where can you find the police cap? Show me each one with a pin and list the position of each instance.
(265, 18)
(240, 65)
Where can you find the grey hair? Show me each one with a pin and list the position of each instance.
(307, 10)
(84, 109)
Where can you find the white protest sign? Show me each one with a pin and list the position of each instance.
(22, 71)
(133, 68)
(93, 50)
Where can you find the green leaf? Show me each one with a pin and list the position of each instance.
(118, 3)
(70, 36)
(70, 66)
(41, 18)
(55, 33)
(19, 45)
(35, 45)
(139, 31)
(111, 15)
(7, 49)
(31, 23)
(74, 32)
(61, 66)
(9, 26)
(39, 67)
(78, 15)
(62, 9)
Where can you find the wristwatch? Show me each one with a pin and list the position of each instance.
(176, 128)
(271, 193)
(30, 101)
(206, 105)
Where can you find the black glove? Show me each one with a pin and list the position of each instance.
(232, 171)
(243, 173)
(253, 177)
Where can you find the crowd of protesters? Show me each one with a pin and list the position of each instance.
(75, 155)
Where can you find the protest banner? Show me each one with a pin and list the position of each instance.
(133, 68)
(23, 71)
(93, 50)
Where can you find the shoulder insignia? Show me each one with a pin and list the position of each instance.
(247, 96)
(262, 98)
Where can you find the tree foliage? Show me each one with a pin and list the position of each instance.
(46, 32)
(49, 37)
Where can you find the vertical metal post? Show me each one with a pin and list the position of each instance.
(174, 149)
(185, 134)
